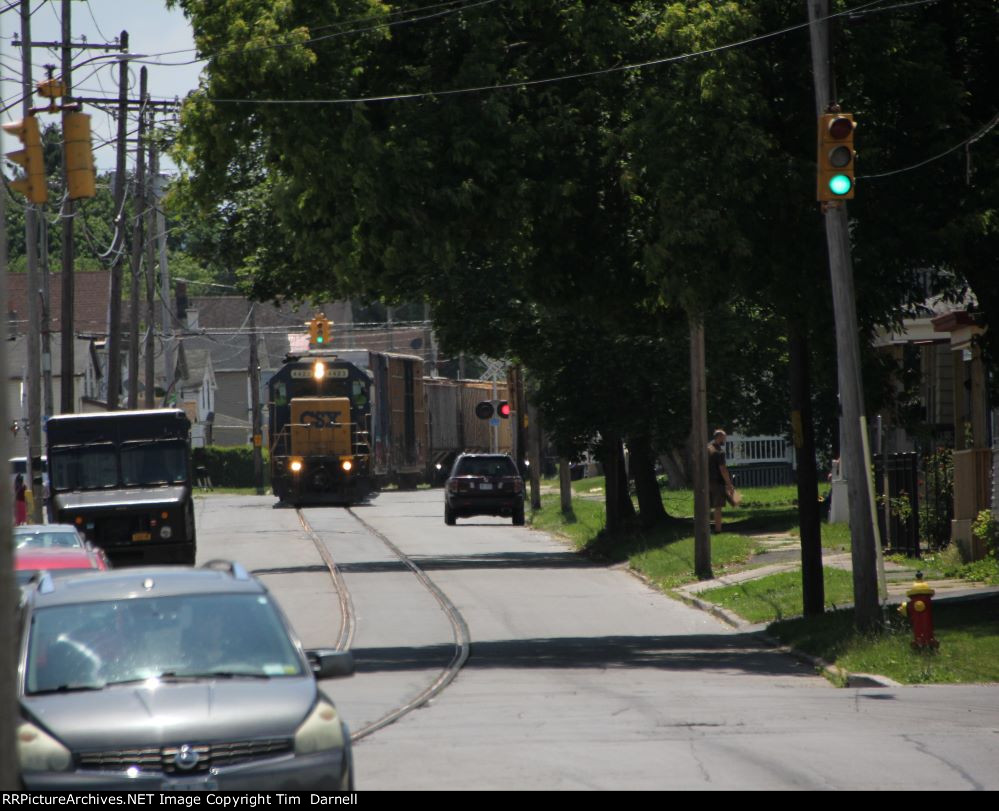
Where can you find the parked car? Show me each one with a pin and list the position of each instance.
(30, 562)
(59, 548)
(484, 484)
(46, 536)
(173, 678)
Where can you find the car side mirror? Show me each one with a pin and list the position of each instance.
(330, 664)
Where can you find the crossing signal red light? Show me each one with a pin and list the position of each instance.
(836, 158)
(503, 409)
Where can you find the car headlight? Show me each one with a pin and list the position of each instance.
(319, 732)
(38, 751)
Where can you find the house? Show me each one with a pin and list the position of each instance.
(87, 375)
(194, 391)
(955, 413)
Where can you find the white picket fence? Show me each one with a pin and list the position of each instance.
(760, 461)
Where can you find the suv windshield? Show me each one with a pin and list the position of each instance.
(486, 466)
(89, 646)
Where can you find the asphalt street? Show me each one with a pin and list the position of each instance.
(581, 676)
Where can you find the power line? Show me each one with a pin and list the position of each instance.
(556, 79)
(966, 142)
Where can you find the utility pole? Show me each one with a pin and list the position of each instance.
(44, 300)
(854, 457)
(167, 316)
(135, 290)
(67, 394)
(118, 243)
(34, 466)
(150, 216)
(8, 588)
(698, 449)
(258, 451)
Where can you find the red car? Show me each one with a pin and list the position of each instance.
(57, 561)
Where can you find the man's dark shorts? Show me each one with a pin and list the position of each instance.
(716, 493)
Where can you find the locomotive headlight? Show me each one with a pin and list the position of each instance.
(296, 465)
(319, 370)
(346, 464)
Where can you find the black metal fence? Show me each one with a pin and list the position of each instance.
(896, 482)
(762, 475)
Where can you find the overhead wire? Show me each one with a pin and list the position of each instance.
(977, 136)
(556, 79)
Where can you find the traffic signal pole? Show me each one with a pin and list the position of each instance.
(862, 532)
(8, 587)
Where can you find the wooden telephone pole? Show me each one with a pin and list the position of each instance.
(854, 456)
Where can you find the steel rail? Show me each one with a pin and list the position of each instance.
(462, 638)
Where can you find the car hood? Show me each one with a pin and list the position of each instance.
(172, 712)
(130, 497)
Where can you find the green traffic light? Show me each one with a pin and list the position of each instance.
(840, 184)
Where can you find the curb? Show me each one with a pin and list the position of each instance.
(833, 673)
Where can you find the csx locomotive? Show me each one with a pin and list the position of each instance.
(344, 423)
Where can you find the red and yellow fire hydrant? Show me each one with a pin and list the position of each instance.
(919, 610)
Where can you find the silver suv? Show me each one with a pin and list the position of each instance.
(171, 678)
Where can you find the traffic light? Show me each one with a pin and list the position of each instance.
(79, 158)
(503, 409)
(484, 410)
(319, 332)
(836, 157)
(32, 185)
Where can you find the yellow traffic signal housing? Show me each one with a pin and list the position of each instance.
(81, 180)
(319, 332)
(32, 185)
(836, 158)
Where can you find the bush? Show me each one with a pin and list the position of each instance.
(229, 467)
(936, 497)
(986, 529)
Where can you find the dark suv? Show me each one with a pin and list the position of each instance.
(484, 484)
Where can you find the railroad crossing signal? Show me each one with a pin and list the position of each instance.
(32, 185)
(836, 158)
(487, 409)
(319, 332)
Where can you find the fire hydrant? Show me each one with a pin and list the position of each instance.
(919, 610)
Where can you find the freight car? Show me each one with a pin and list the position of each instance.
(453, 426)
(344, 423)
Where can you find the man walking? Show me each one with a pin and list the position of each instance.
(720, 486)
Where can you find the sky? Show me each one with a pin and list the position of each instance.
(153, 31)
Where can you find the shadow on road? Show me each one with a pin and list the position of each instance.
(724, 653)
(498, 560)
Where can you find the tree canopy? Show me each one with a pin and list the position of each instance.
(560, 180)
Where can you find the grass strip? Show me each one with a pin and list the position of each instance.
(779, 596)
(968, 632)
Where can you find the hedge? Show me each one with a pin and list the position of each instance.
(229, 466)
